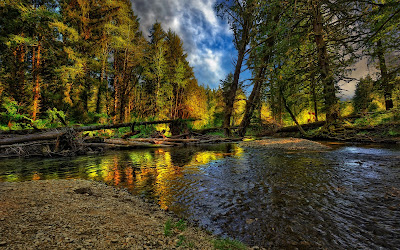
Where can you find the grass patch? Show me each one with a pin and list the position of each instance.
(171, 228)
(227, 244)
(181, 240)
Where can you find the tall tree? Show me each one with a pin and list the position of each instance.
(241, 16)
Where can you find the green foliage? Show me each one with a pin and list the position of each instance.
(394, 132)
(54, 114)
(378, 118)
(12, 115)
(228, 244)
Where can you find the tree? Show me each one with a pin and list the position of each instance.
(241, 16)
(380, 41)
(363, 94)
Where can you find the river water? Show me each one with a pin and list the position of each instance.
(344, 198)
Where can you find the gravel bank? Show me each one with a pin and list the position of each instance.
(79, 214)
(286, 144)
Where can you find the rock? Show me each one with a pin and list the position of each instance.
(114, 241)
(3, 243)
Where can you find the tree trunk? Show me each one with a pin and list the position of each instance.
(253, 100)
(18, 90)
(291, 114)
(36, 78)
(234, 86)
(331, 102)
(385, 79)
(102, 86)
(116, 90)
(314, 96)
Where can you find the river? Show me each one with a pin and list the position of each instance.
(347, 197)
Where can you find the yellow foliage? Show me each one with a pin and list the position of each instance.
(348, 109)
(266, 113)
(163, 127)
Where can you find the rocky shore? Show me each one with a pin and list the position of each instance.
(79, 214)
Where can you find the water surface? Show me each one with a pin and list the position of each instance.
(348, 197)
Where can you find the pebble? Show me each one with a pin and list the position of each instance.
(3, 243)
(249, 221)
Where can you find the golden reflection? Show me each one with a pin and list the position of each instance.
(117, 174)
(129, 178)
(143, 171)
(164, 175)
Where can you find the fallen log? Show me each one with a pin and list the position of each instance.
(33, 137)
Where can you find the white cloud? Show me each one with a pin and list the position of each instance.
(362, 69)
(196, 22)
(209, 65)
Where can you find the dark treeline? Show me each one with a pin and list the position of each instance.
(90, 60)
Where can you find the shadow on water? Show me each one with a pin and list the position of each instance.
(348, 197)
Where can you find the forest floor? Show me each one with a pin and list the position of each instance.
(79, 214)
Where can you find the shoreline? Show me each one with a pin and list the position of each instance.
(80, 214)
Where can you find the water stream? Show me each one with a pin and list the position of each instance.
(348, 197)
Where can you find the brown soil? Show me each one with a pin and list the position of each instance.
(79, 214)
(286, 144)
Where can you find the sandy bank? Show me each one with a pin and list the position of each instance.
(78, 214)
(286, 144)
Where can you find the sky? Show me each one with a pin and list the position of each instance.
(207, 39)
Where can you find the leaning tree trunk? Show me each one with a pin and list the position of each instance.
(251, 103)
(387, 86)
(291, 114)
(331, 101)
(234, 86)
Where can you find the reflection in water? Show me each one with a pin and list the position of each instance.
(345, 198)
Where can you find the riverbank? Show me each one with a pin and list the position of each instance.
(79, 214)
(286, 144)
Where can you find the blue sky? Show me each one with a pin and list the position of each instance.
(207, 39)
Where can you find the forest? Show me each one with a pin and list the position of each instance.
(110, 139)
(89, 63)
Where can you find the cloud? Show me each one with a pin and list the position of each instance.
(362, 69)
(206, 38)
